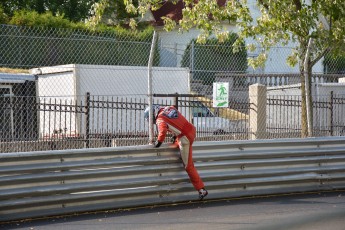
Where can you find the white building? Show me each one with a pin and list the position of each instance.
(173, 44)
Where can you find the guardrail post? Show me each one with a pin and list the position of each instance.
(257, 114)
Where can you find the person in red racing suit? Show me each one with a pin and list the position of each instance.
(169, 119)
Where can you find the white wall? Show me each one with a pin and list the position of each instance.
(130, 80)
(123, 84)
(57, 87)
(326, 114)
(335, 107)
(174, 43)
(57, 84)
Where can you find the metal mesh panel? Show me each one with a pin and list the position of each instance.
(88, 89)
(27, 47)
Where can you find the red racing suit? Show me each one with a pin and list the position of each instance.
(169, 119)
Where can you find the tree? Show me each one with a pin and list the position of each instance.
(205, 60)
(334, 64)
(73, 10)
(315, 26)
(110, 12)
(3, 16)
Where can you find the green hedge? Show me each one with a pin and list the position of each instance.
(3, 16)
(334, 64)
(33, 40)
(206, 60)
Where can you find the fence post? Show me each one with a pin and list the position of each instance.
(192, 59)
(150, 88)
(176, 101)
(331, 113)
(257, 113)
(87, 120)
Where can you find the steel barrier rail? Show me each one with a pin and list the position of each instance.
(36, 184)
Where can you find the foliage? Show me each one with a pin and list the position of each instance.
(279, 23)
(3, 16)
(73, 10)
(208, 59)
(314, 28)
(34, 19)
(334, 64)
(34, 44)
(109, 12)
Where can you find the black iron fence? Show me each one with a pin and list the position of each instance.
(104, 121)
(34, 123)
(284, 117)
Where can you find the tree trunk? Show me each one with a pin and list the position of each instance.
(304, 123)
(306, 100)
(310, 100)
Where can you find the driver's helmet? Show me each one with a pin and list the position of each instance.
(155, 110)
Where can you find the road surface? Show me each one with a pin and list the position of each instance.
(316, 211)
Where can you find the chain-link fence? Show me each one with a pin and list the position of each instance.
(88, 89)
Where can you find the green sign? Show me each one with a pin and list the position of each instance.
(220, 94)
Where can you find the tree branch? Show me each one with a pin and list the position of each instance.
(263, 4)
(298, 4)
(313, 62)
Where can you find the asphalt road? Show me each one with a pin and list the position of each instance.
(316, 211)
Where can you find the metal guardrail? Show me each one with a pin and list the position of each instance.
(36, 184)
